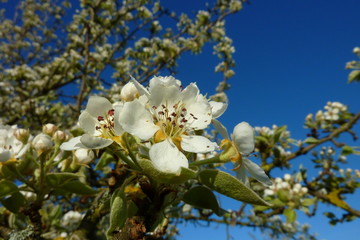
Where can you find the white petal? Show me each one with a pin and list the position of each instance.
(135, 119)
(117, 126)
(4, 155)
(201, 110)
(166, 157)
(142, 90)
(168, 95)
(244, 138)
(221, 129)
(256, 172)
(94, 142)
(190, 93)
(241, 175)
(197, 144)
(218, 108)
(72, 144)
(88, 123)
(98, 106)
(164, 81)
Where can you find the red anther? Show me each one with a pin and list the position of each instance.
(100, 118)
(169, 119)
(175, 106)
(173, 123)
(182, 115)
(161, 113)
(97, 127)
(173, 114)
(111, 112)
(181, 126)
(154, 107)
(184, 120)
(163, 106)
(183, 109)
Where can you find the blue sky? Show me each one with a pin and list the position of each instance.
(290, 57)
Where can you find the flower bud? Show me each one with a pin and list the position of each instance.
(356, 50)
(42, 143)
(49, 129)
(84, 156)
(60, 137)
(22, 135)
(287, 177)
(129, 92)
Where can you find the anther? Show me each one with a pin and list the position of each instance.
(100, 118)
(111, 112)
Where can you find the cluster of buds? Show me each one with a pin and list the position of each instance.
(286, 185)
(333, 113)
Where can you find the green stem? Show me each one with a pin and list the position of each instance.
(215, 159)
(126, 160)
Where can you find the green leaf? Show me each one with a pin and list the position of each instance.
(118, 211)
(308, 201)
(354, 76)
(78, 188)
(290, 215)
(7, 188)
(14, 202)
(164, 177)
(104, 160)
(278, 132)
(311, 140)
(230, 186)
(59, 179)
(347, 150)
(202, 197)
(262, 139)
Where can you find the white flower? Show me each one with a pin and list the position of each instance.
(243, 140)
(10, 147)
(99, 124)
(169, 117)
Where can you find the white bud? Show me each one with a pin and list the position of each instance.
(129, 92)
(49, 129)
(287, 177)
(304, 190)
(309, 117)
(42, 143)
(278, 180)
(60, 136)
(356, 50)
(84, 156)
(268, 192)
(22, 135)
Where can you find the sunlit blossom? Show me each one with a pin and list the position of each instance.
(169, 118)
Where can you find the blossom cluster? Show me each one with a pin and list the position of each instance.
(287, 184)
(165, 119)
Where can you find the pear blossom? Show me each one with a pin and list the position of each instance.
(100, 126)
(10, 146)
(42, 143)
(83, 155)
(71, 220)
(169, 117)
(243, 141)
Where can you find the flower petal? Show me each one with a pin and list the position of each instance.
(197, 144)
(94, 142)
(244, 138)
(256, 172)
(88, 123)
(4, 155)
(218, 108)
(142, 90)
(98, 106)
(117, 126)
(198, 112)
(190, 93)
(163, 94)
(221, 129)
(135, 119)
(72, 144)
(166, 157)
(164, 82)
(242, 176)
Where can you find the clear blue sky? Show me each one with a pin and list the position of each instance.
(290, 57)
